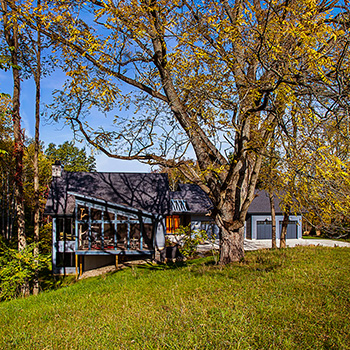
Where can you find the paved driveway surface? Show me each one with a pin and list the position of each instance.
(266, 243)
(259, 244)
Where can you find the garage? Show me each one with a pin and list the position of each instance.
(264, 229)
(292, 229)
(258, 223)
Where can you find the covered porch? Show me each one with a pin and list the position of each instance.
(98, 233)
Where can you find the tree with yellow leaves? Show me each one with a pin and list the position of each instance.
(309, 171)
(212, 78)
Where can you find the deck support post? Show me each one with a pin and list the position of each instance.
(116, 261)
(76, 266)
(80, 265)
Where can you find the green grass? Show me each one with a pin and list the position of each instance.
(292, 299)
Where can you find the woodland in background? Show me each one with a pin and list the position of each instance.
(19, 266)
(71, 157)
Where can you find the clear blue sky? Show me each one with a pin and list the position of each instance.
(58, 133)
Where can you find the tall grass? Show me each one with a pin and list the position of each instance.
(292, 299)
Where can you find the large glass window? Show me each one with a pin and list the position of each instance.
(109, 232)
(96, 236)
(96, 214)
(135, 235)
(122, 236)
(83, 234)
(147, 236)
(110, 229)
(109, 216)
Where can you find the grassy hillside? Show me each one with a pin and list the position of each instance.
(292, 299)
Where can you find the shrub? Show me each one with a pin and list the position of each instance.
(190, 239)
(17, 268)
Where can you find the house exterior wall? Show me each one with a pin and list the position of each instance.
(248, 228)
(203, 222)
(54, 246)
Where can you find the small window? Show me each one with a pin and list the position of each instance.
(109, 216)
(178, 205)
(172, 223)
(83, 213)
(65, 229)
(96, 214)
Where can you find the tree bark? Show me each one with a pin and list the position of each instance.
(11, 36)
(284, 227)
(37, 77)
(273, 220)
(231, 245)
(3, 203)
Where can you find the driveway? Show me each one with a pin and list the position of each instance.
(266, 243)
(260, 244)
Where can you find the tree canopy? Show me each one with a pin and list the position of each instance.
(71, 157)
(215, 78)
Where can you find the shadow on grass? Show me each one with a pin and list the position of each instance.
(264, 261)
(207, 261)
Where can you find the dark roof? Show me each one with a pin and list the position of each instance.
(196, 199)
(261, 204)
(142, 191)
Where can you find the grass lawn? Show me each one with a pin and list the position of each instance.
(297, 298)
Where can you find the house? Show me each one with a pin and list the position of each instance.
(98, 217)
(258, 223)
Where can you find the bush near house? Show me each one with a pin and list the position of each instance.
(189, 240)
(19, 267)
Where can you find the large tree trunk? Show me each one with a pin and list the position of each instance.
(12, 41)
(231, 223)
(37, 76)
(273, 220)
(231, 245)
(11, 36)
